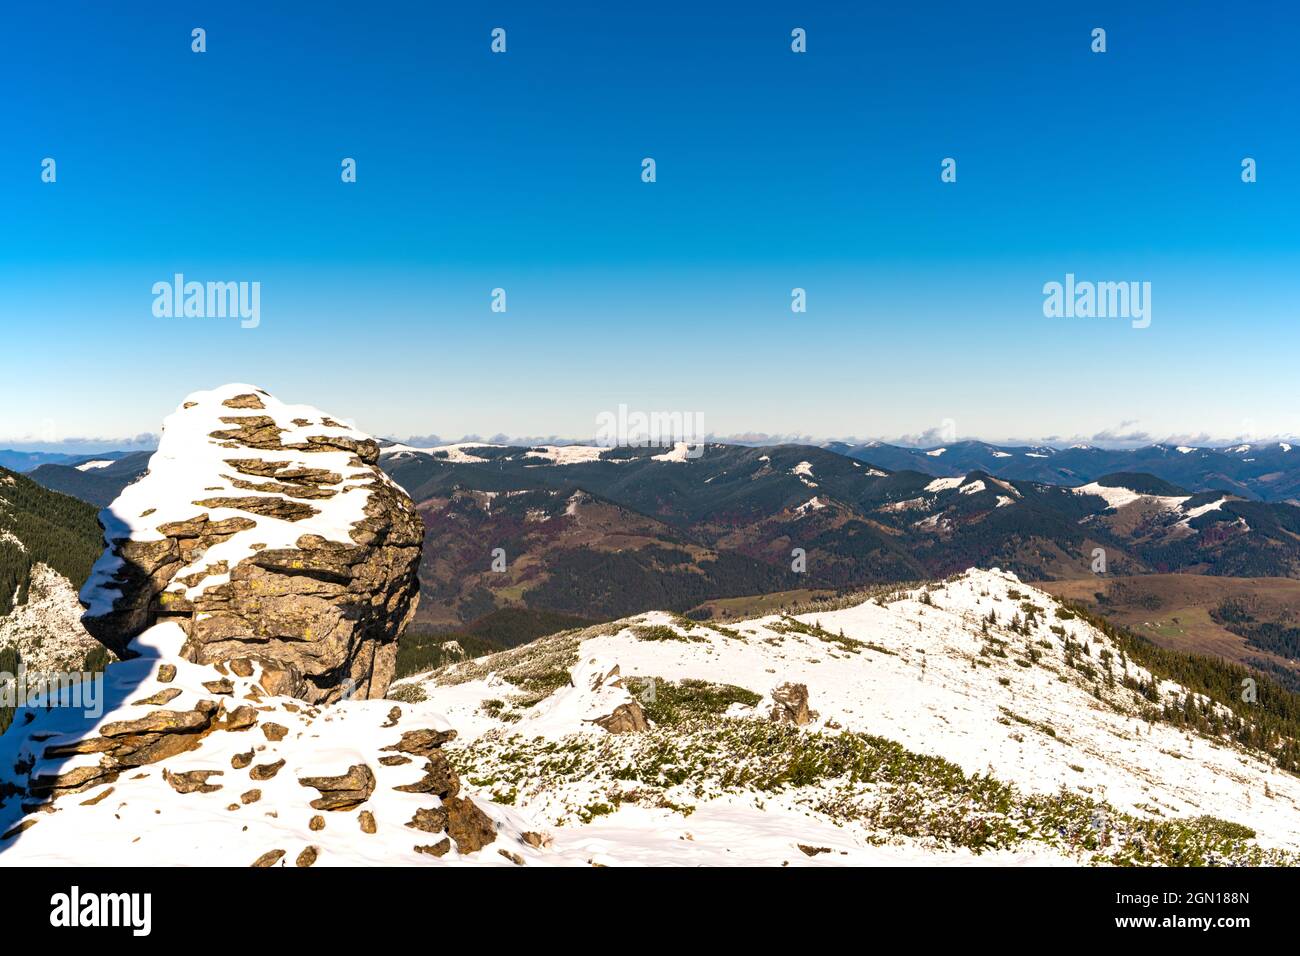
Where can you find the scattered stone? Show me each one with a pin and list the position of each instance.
(96, 799)
(166, 673)
(437, 849)
(241, 667)
(343, 792)
(240, 761)
(274, 732)
(223, 686)
(421, 743)
(394, 760)
(270, 858)
(514, 858)
(192, 781)
(307, 857)
(812, 850)
(467, 825)
(28, 824)
(367, 821)
(317, 823)
(626, 718)
(265, 771)
(250, 796)
(165, 696)
(541, 841)
(394, 716)
(790, 705)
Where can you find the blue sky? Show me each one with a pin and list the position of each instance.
(775, 170)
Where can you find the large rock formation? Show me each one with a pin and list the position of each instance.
(269, 533)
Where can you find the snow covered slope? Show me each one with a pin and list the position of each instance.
(46, 629)
(974, 722)
(1020, 737)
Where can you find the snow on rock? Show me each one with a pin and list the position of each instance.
(263, 529)
(194, 764)
(93, 465)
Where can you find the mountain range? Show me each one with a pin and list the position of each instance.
(1266, 471)
(584, 530)
(599, 533)
(1269, 471)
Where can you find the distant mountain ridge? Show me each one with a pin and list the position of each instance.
(598, 532)
(607, 532)
(24, 461)
(97, 480)
(1268, 471)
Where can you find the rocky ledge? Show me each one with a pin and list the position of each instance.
(198, 763)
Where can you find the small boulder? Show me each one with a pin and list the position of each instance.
(269, 858)
(467, 825)
(440, 848)
(265, 771)
(344, 791)
(790, 705)
(193, 781)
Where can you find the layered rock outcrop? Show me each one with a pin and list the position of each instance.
(269, 533)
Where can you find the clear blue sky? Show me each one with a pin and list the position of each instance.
(775, 170)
